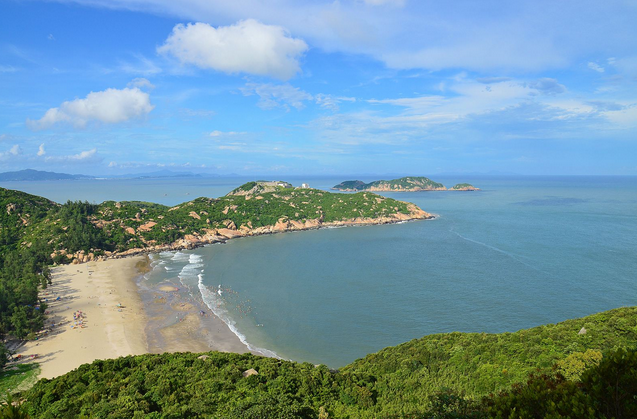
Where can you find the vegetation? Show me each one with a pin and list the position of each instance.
(578, 368)
(402, 184)
(119, 226)
(439, 376)
(18, 377)
(36, 232)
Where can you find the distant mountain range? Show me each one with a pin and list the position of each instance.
(30, 174)
(38, 175)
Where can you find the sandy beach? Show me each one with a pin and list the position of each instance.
(94, 312)
(97, 310)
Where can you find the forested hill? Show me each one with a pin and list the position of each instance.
(581, 371)
(404, 184)
(82, 231)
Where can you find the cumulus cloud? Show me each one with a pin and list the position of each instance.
(79, 157)
(109, 106)
(527, 35)
(246, 47)
(41, 151)
(547, 86)
(596, 67)
(275, 95)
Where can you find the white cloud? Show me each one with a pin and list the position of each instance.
(275, 95)
(217, 133)
(81, 156)
(246, 47)
(12, 152)
(15, 150)
(109, 106)
(41, 151)
(141, 83)
(596, 67)
(332, 102)
(527, 35)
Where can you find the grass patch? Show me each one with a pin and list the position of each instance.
(18, 378)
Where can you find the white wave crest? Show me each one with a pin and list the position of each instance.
(216, 303)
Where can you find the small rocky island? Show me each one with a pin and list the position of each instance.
(464, 187)
(404, 184)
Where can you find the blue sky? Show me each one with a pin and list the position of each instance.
(316, 87)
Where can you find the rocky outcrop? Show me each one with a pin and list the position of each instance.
(464, 187)
(221, 235)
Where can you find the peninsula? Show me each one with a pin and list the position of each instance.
(404, 184)
(80, 231)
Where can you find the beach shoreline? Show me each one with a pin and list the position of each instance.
(104, 309)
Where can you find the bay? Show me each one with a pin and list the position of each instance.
(521, 252)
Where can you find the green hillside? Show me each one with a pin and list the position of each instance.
(402, 381)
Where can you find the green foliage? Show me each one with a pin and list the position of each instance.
(17, 377)
(576, 363)
(424, 378)
(11, 409)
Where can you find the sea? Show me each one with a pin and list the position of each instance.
(521, 252)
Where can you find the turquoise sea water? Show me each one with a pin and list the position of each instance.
(521, 252)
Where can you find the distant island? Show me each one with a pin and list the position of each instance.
(30, 174)
(404, 184)
(40, 175)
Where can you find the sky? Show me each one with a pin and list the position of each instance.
(410, 87)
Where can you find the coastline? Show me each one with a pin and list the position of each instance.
(120, 316)
(215, 236)
(123, 315)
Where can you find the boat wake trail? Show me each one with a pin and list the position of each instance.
(504, 252)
